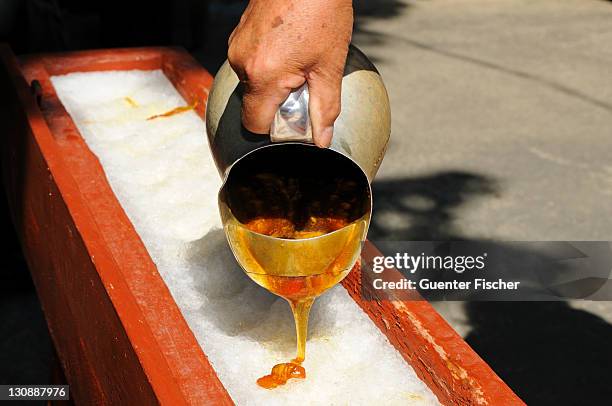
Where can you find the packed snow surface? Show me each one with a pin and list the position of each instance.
(163, 174)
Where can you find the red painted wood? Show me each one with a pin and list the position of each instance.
(117, 330)
(440, 357)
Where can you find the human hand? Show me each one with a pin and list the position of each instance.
(280, 44)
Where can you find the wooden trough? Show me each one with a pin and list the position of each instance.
(119, 334)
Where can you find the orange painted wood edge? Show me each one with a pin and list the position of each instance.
(55, 252)
(175, 366)
(439, 356)
(54, 248)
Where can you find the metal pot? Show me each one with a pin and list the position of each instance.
(360, 138)
(361, 132)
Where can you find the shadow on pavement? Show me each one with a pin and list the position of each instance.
(423, 208)
(547, 352)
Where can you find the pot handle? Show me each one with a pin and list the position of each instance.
(292, 121)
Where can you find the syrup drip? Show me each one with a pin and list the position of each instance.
(296, 205)
(131, 102)
(281, 373)
(301, 300)
(174, 111)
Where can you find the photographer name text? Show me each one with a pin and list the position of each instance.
(412, 264)
(427, 284)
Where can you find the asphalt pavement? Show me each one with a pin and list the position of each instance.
(502, 131)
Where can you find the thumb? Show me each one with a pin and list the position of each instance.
(324, 104)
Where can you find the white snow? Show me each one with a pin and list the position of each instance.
(163, 175)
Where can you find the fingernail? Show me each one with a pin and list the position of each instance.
(324, 139)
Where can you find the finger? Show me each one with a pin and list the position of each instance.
(262, 99)
(324, 104)
(259, 108)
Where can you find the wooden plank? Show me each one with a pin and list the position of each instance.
(440, 357)
(115, 325)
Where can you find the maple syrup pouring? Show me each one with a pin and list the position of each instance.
(281, 373)
(299, 292)
(297, 193)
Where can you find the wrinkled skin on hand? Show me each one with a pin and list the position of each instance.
(280, 44)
